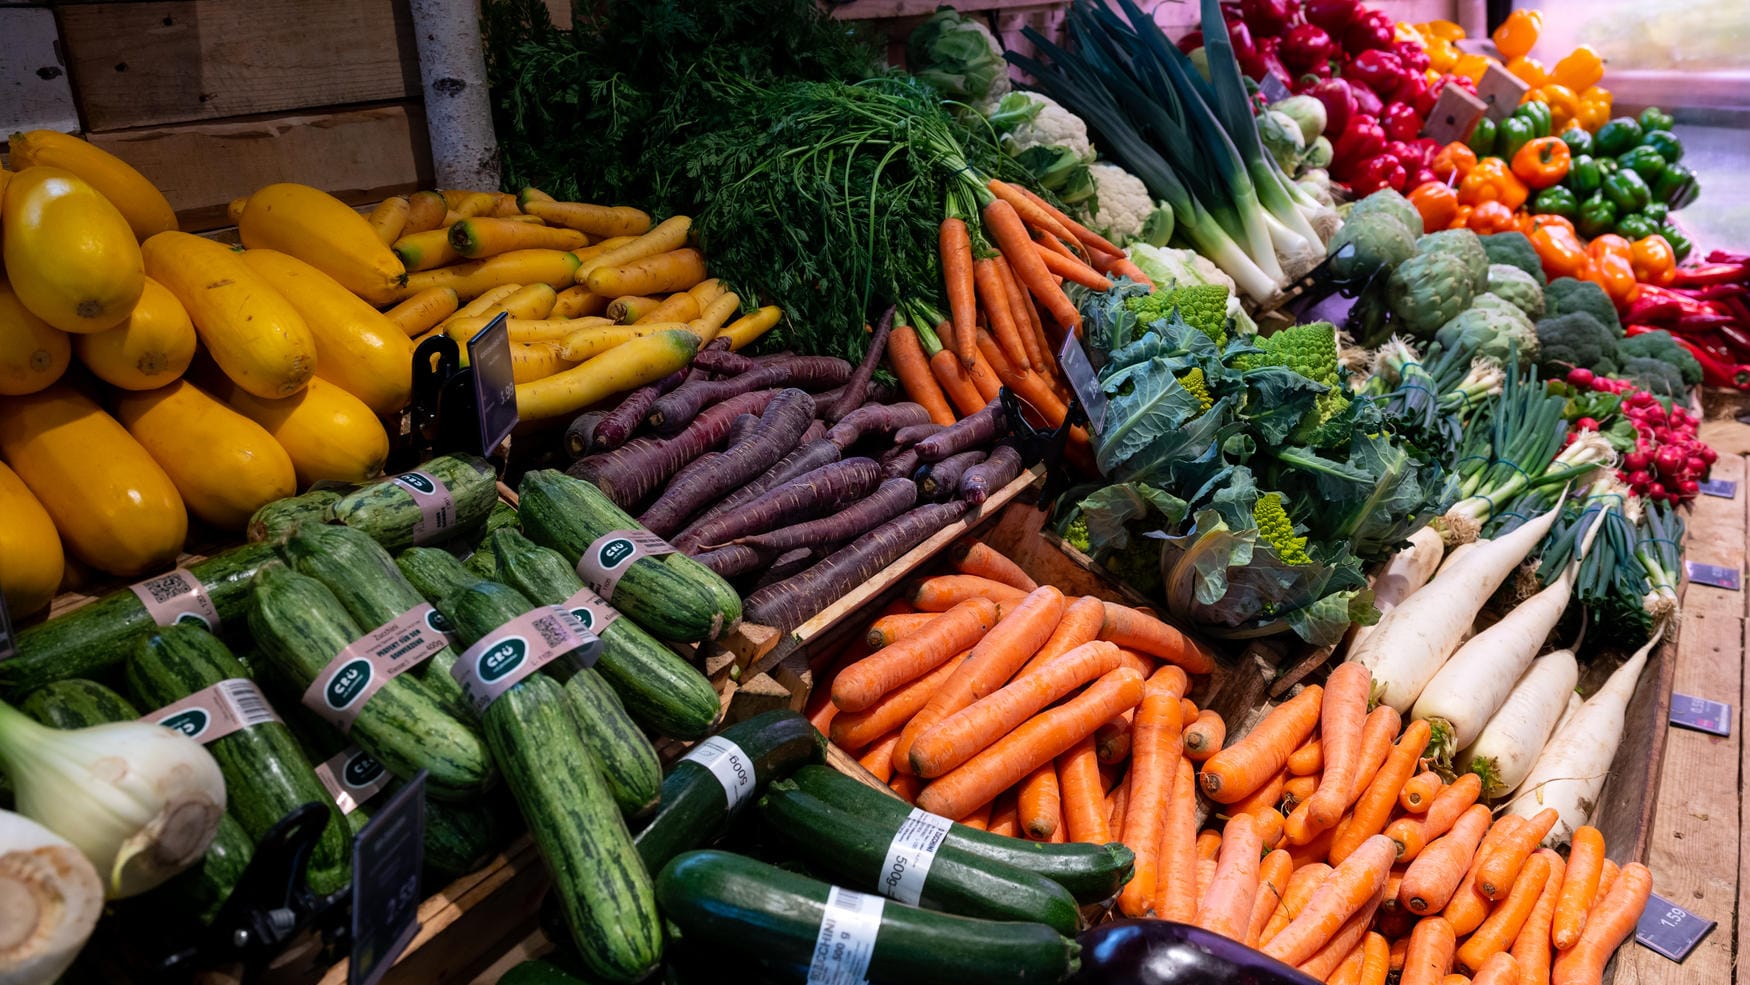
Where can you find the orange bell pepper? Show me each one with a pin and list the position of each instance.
(1460, 219)
(1491, 217)
(1579, 70)
(1559, 250)
(1609, 244)
(1455, 159)
(1611, 266)
(1653, 260)
(1518, 33)
(1437, 203)
(1492, 181)
(1549, 219)
(1542, 162)
(1562, 102)
(1444, 30)
(1529, 70)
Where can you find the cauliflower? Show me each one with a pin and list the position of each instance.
(1121, 203)
(1028, 119)
(959, 57)
(1202, 306)
(1170, 268)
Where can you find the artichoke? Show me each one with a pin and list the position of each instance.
(1427, 291)
(1463, 245)
(1515, 285)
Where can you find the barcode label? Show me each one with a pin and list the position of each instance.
(729, 764)
(177, 597)
(214, 712)
(846, 939)
(910, 855)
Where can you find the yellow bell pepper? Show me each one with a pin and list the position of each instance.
(1407, 32)
(1580, 70)
(1444, 30)
(1594, 108)
(1471, 67)
(1563, 105)
(1518, 33)
(1529, 70)
(1441, 55)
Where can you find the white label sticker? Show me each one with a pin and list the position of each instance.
(910, 855)
(728, 764)
(846, 940)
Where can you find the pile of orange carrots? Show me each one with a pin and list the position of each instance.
(1320, 837)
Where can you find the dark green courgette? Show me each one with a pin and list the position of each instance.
(434, 572)
(1090, 872)
(695, 809)
(96, 638)
(771, 915)
(852, 851)
(660, 688)
(277, 518)
(389, 512)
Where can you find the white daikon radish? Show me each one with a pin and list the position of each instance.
(1575, 703)
(1403, 573)
(1412, 641)
(1569, 774)
(1508, 746)
(1454, 554)
(50, 899)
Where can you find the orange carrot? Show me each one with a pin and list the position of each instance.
(1348, 937)
(1609, 924)
(943, 592)
(1088, 238)
(983, 375)
(975, 557)
(1083, 797)
(1005, 818)
(1208, 848)
(1501, 869)
(1579, 886)
(856, 729)
(963, 624)
(878, 759)
(1316, 850)
(1039, 803)
(1342, 718)
(1419, 792)
(1226, 908)
(1455, 979)
(1503, 924)
(1375, 806)
(1531, 949)
(1452, 801)
(1004, 226)
(1080, 624)
(1029, 386)
(1409, 834)
(906, 786)
(1203, 737)
(1112, 739)
(1264, 798)
(1302, 884)
(1034, 212)
(1394, 887)
(1377, 734)
(1501, 969)
(1120, 266)
(1047, 736)
(961, 391)
(1308, 759)
(1429, 956)
(1026, 319)
(1298, 790)
(887, 630)
(1606, 879)
(965, 733)
(1072, 270)
(994, 299)
(1117, 801)
(1176, 853)
(1437, 872)
(1248, 764)
(1375, 960)
(955, 244)
(977, 818)
(1269, 822)
(906, 354)
(1358, 880)
(1469, 908)
(1154, 769)
(1273, 875)
(1141, 663)
(1137, 630)
(1190, 706)
(1349, 972)
(1400, 946)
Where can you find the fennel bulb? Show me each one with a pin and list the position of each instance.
(50, 899)
(140, 801)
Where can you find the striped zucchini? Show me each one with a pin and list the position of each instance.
(76, 703)
(482, 563)
(266, 774)
(276, 519)
(389, 512)
(503, 515)
(673, 596)
(300, 626)
(434, 572)
(660, 688)
(459, 838)
(96, 638)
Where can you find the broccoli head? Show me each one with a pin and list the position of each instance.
(1202, 306)
(1575, 339)
(1277, 530)
(1565, 294)
(1311, 351)
(1656, 376)
(1515, 250)
(1660, 345)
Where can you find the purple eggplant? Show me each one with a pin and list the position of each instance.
(1160, 952)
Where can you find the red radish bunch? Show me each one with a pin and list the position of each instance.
(1669, 461)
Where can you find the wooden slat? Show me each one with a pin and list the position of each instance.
(360, 155)
(34, 89)
(143, 64)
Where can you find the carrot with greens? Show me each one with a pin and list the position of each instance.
(1093, 241)
(1302, 883)
(857, 387)
(975, 557)
(1610, 923)
(1469, 907)
(1438, 871)
(1357, 881)
(1034, 212)
(1419, 792)
(955, 244)
(1248, 764)
(1377, 735)
(888, 629)
(1501, 869)
(478, 237)
(1531, 949)
(954, 631)
(1274, 874)
(1072, 270)
(1504, 923)
(1176, 851)
(1308, 759)
(956, 382)
(906, 355)
(1203, 737)
(1374, 808)
(1429, 956)
(1154, 767)
(1083, 796)
(1005, 227)
(939, 593)
(1039, 803)
(878, 758)
(1342, 718)
(1579, 886)
(1226, 908)
(994, 300)
(1026, 319)
(1134, 629)
(856, 729)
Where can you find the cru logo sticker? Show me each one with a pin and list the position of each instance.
(347, 683)
(417, 481)
(584, 616)
(615, 553)
(437, 622)
(361, 770)
(191, 723)
(195, 619)
(502, 658)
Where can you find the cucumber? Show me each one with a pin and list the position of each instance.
(300, 626)
(389, 513)
(266, 774)
(1091, 873)
(434, 572)
(673, 596)
(627, 760)
(660, 688)
(774, 916)
(276, 519)
(373, 591)
(609, 903)
(96, 638)
(76, 703)
(695, 807)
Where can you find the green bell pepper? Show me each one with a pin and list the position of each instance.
(1657, 211)
(1482, 137)
(1515, 132)
(1654, 118)
(1584, 177)
(1627, 191)
(1556, 200)
(1597, 217)
(1539, 115)
(1680, 243)
(1578, 141)
(1616, 137)
(1665, 142)
(1635, 226)
(1644, 161)
(1675, 186)
(1607, 166)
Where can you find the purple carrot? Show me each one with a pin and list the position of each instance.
(674, 410)
(733, 560)
(791, 602)
(812, 454)
(943, 479)
(972, 431)
(722, 361)
(618, 424)
(806, 496)
(640, 466)
(857, 388)
(995, 472)
(781, 424)
(581, 433)
(871, 419)
(787, 564)
(902, 465)
(816, 431)
(882, 393)
(890, 499)
(741, 429)
(912, 434)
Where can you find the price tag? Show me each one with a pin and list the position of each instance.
(1083, 381)
(386, 858)
(1273, 88)
(1454, 114)
(1717, 575)
(1723, 488)
(1669, 929)
(494, 386)
(1501, 90)
(1701, 714)
(8, 649)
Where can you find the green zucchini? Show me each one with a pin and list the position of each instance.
(627, 760)
(774, 916)
(76, 703)
(300, 626)
(695, 807)
(373, 591)
(434, 572)
(609, 903)
(276, 519)
(96, 638)
(673, 596)
(1091, 873)
(389, 513)
(459, 838)
(539, 972)
(482, 563)
(266, 774)
(503, 515)
(852, 851)
(660, 688)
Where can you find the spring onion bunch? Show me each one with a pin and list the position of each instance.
(1658, 541)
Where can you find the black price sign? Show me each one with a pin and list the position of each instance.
(387, 857)
(1082, 380)
(1723, 488)
(1717, 575)
(1669, 929)
(494, 383)
(1701, 714)
(8, 649)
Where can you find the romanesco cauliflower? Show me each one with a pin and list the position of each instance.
(1202, 306)
(1277, 530)
(1311, 351)
(1192, 380)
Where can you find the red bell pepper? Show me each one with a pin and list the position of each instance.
(1191, 42)
(1415, 57)
(1412, 87)
(1332, 15)
(1400, 121)
(1361, 140)
(1370, 30)
(1378, 70)
(1268, 18)
(1714, 372)
(1366, 101)
(1339, 99)
(1380, 171)
(1305, 47)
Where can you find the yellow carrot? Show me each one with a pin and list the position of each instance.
(596, 220)
(710, 321)
(670, 234)
(388, 218)
(675, 270)
(428, 250)
(586, 343)
(744, 330)
(632, 364)
(423, 311)
(482, 237)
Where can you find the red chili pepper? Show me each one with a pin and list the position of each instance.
(1702, 322)
(1685, 304)
(1726, 256)
(1714, 292)
(1714, 273)
(1714, 372)
(1738, 339)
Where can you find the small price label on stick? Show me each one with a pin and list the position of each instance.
(387, 857)
(1669, 929)
(1273, 88)
(1083, 381)
(494, 383)
(1717, 575)
(1701, 714)
(1723, 488)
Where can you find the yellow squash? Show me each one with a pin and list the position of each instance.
(329, 433)
(70, 255)
(147, 210)
(255, 335)
(31, 563)
(114, 506)
(152, 348)
(357, 347)
(326, 233)
(33, 353)
(225, 465)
